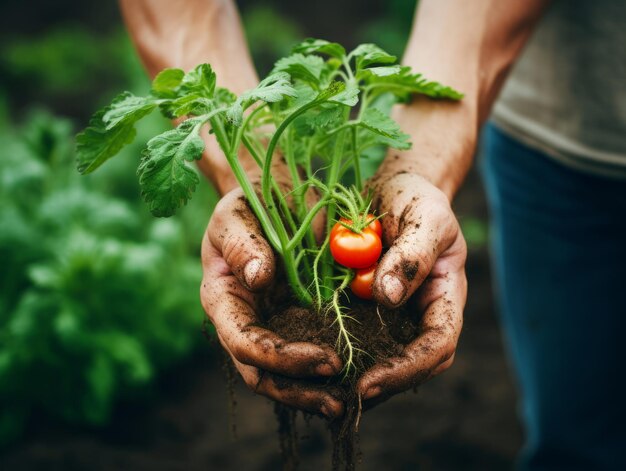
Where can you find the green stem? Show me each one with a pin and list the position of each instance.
(306, 222)
(275, 188)
(291, 270)
(357, 164)
(246, 185)
(333, 176)
(265, 182)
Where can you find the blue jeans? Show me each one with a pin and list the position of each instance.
(559, 254)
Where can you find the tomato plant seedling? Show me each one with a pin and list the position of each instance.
(320, 103)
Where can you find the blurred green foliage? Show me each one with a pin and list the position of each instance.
(265, 48)
(68, 69)
(391, 30)
(96, 295)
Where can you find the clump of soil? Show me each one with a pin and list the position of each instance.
(381, 333)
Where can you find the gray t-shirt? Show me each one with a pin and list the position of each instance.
(566, 95)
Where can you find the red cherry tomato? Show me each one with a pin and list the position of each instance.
(361, 284)
(354, 250)
(375, 225)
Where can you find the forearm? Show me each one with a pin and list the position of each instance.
(184, 34)
(469, 46)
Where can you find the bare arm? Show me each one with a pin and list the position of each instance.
(469, 45)
(184, 34)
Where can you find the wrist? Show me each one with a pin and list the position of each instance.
(444, 137)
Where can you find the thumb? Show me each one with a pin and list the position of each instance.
(425, 231)
(236, 234)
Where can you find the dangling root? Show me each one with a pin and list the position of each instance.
(346, 341)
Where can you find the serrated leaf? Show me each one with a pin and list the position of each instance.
(320, 46)
(272, 89)
(95, 145)
(166, 179)
(166, 83)
(405, 83)
(224, 97)
(370, 54)
(299, 66)
(334, 89)
(379, 123)
(199, 81)
(349, 96)
(328, 116)
(305, 94)
(382, 71)
(307, 124)
(187, 105)
(127, 108)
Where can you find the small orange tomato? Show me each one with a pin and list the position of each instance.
(361, 284)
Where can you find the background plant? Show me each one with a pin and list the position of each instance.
(84, 316)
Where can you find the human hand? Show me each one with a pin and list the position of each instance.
(426, 264)
(238, 264)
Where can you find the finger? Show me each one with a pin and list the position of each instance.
(230, 307)
(289, 391)
(423, 232)
(235, 232)
(432, 351)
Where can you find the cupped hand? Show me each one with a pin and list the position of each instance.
(238, 264)
(426, 264)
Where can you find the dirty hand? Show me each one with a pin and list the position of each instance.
(425, 263)
(238, 264)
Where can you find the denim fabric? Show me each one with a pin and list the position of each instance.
(559, 255)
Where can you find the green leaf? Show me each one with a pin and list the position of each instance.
(379, 123)
(166, 179)
(320, 46)
(109, 130)
(127, 109)
(404, 84)
(333, 90)
(166, 83)
(224, 97)
(301, 67)
(193, 105)
(382, 71)
(370, 54)
(307, 124)
(96, 144)
(349, 96)
(272, 89)
(199, 81)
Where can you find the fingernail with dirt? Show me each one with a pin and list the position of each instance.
(251, 271)
(325, 412)
(393, 289)
(325, 369)
(373, 391)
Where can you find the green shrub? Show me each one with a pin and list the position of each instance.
(96, 295)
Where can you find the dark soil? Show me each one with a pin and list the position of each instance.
(379, 333)
(462, 420)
